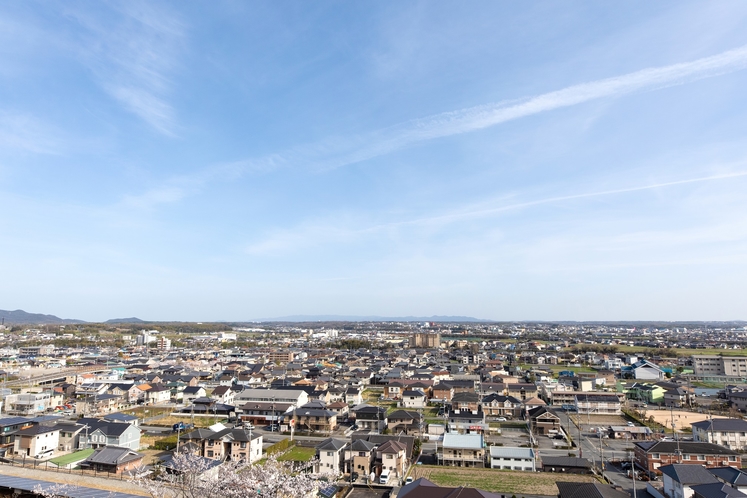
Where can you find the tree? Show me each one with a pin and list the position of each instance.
(191, 476)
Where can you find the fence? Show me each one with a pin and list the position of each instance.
(30, 463)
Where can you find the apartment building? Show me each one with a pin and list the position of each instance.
(708, 365)
(729, 432)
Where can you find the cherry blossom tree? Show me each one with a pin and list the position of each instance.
(191, 476)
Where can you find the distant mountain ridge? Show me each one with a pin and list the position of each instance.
(19, 317)
(346, 318)
(125, 320)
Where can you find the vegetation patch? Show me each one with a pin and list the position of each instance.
(298, 454)
(497, 481)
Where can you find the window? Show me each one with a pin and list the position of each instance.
(732, 459)
(329, 453)
(210, 454)
(701, 457)
(655, 456)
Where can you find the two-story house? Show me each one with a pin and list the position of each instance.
(414, 398)
(392, 455)
(497, 405)
(362, 454)
(331, 456)
(462, 450)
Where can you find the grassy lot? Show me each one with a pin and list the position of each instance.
(685, 351)
(497, 481)
(147, 411)
(298, 454)
(558, 368)
(198, 421)
(72, 457)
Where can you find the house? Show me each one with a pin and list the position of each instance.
(392, 456)
(371, 418)
(630, 432)
(69, 435)
(295, 397)
(311, 419)
(497, 405)
(729, 432)
(414, 398)
(646, 370)
(353, 396)
(158, 393)
(223, 394)
(262, 412)
(404, 421)
(235, 444)
(462, 450)
(113, 459)
(8, 428)
(566, 464)
(330, 455)
(716, 490)
(542, 420)
(651, 455)
(466, 421)
(648, 393)
(735, 478)
(508, 458)
(465, 401)
(362, 453)
(100, 433)
(394, 390)
(598, 404)
(677, 479)
(423, 488)
(37, 441)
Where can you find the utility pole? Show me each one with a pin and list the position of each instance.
(632, 471)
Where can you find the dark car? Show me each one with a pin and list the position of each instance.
(354, 476)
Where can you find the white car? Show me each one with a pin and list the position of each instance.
(408, 480)
(501, 419)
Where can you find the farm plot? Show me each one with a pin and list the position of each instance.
(497, 481)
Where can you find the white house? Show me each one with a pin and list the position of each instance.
(330, 453)
(647, 371)
(414, 398)
(507, 458)
(679, 477)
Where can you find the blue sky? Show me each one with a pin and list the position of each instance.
(241, 160)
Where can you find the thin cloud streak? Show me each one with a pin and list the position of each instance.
(286, 239)
(329, 154)
(485, 116)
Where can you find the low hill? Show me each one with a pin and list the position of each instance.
(20, 317)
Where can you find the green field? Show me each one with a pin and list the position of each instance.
(497, 481)
(78, 456)
(298, 454)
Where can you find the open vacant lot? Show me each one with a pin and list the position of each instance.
(682, 419)
(497, 481)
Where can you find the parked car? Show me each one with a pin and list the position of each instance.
(501, 419)
(408, 480)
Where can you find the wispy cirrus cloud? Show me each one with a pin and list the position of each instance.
(133, 56)
(21, 131)
(341, 231)
(343, 151)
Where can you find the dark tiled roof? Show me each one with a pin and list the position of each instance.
(565, 462)
(687, 447)
(688, 474)
(730, 475)
(723, 424)
(588, 490)
(716, 490)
